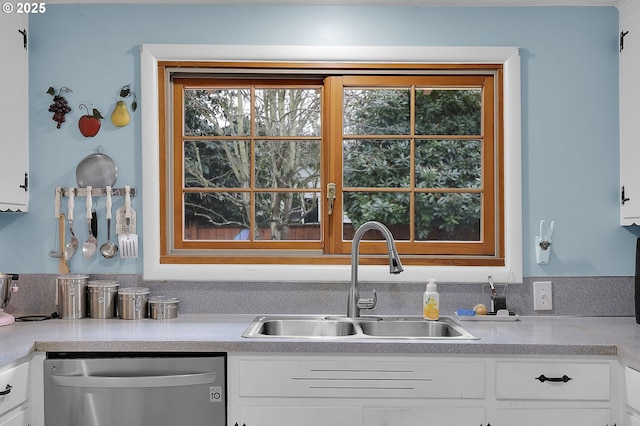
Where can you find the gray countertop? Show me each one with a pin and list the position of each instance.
(222, 333)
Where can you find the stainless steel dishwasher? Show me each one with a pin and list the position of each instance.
(134, 389)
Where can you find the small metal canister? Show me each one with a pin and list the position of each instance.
(132, 302)
(101, 295)
(163, 307)
(71, 296)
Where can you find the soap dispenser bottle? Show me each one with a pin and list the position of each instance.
(431, 302)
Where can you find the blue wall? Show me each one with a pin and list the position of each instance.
(569, 111)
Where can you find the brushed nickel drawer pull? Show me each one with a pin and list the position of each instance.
(563, 379)
(6, 391)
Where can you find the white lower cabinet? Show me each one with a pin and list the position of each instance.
(422, 389)
(561, 392)
(14, 395)
(370, 390)
(632, 396)
(17, 418)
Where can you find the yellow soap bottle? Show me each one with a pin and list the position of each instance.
(431, 302)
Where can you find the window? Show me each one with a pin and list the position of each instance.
(391, 164)
(293, 165)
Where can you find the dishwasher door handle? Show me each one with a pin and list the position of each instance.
(134, 381)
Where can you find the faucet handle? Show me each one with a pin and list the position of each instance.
(368, 303)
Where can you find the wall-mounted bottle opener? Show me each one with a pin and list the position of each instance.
(543, 243)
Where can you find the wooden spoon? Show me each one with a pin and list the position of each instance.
(63, 266)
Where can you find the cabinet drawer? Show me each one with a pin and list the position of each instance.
(357, 377)
(15, 381)
(522, 380)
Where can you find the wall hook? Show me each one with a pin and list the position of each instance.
(543, 243)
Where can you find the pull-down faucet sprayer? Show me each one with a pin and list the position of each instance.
(354, 303)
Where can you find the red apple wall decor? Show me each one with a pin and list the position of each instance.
(89, 124)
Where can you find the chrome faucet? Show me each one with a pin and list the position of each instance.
(354, 303)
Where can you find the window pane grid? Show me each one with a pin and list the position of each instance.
(251, 163)
(439, 193)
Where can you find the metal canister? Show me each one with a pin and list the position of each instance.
(132, 302)
(71, 296)
(163, 307)
(101, 295)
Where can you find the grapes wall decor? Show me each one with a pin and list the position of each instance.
(60, 107)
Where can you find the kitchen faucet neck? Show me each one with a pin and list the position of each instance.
(354, 302)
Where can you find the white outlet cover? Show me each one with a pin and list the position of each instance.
(542, 296)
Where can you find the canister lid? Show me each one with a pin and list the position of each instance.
(103, 284)
(134, 290)
(72, 277)
(163, 300)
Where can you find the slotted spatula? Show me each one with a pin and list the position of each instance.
(126, 228)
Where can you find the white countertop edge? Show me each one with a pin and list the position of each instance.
(552, 336)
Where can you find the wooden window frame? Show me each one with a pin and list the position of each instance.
(170, 254)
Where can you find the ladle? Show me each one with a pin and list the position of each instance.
(91, 244)
(108, 249)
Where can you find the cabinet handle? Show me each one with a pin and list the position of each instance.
(623, 198)
(7, 390)
(24, 37)
(26, 183)
(623, 34)
(563, 379)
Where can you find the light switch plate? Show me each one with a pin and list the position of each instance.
(542, 296)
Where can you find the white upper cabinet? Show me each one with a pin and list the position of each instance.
(14, 113)
(629, 113)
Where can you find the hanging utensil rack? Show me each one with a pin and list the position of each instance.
(97, 192)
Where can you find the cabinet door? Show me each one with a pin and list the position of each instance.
(296, 416)
(421, 416)
(14, 381)
(20, 418)
(14, 113)
(553, 417)
(633, 420)
(630, 114)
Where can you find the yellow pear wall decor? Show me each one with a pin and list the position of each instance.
(120, 116)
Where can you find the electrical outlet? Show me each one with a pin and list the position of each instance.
(542, 296)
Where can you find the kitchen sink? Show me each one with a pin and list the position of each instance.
(303, 326)
(411, 328)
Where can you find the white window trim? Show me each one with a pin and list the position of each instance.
(151, 54)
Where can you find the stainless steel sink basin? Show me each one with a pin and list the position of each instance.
(412, 328)
(302, 326)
